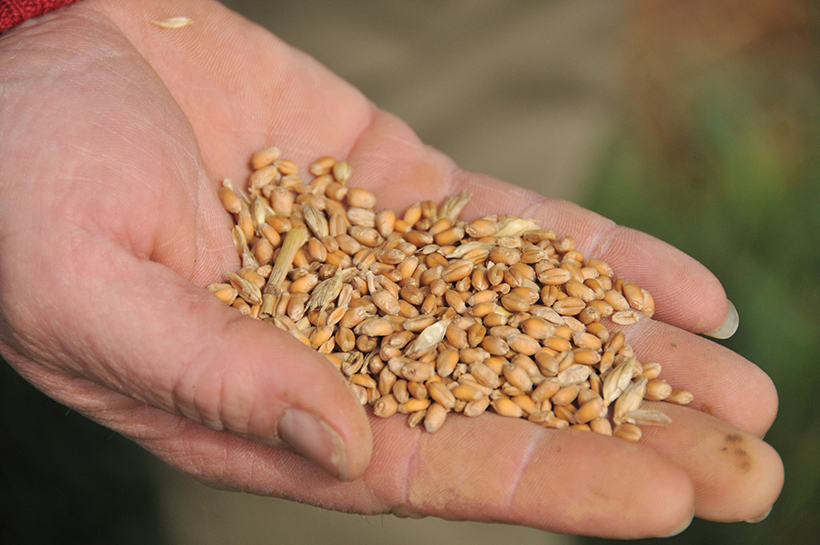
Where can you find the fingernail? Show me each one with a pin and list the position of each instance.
(682, 527)
(729, 325)
(315, 440)
(761, 518)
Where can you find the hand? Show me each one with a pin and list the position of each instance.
(116, 134)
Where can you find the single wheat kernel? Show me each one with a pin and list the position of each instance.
(556, 423)
(625, 317)
(434, 417)
(616, 300)
(633, 294)
(465, 392)
(265, 157)
(441, 395)
(360, 198)
(627, 431)
(680, 397)
(601, 425)
(387, 405)
(590, 410)
(574, 374)
(507, 407)
(657, 390)
(341, 171)
(476, 407)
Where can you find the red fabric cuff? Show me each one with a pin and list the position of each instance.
(14, 12)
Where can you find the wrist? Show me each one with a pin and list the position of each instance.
(14, 12)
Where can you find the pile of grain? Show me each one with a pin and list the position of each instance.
(427, 315)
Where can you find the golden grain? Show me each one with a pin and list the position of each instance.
(427, 314)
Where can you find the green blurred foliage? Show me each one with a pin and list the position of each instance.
(67, 480)
(739, 190)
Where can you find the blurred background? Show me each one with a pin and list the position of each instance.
(697, 121)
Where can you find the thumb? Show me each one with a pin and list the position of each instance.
(142, 330)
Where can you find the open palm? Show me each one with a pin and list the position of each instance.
(115, 135)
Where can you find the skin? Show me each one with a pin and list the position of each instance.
(116, 135)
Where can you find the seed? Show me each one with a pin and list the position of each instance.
(507, 407)
(574, 374)
(629, 400)
(482, 228)
(651, 370)
(579, 290)
(400, 391)
(556, 423)
(265, 157)
(434, 417)
(547, 363)
(566, 413)
(633, 295)
(374, 327)
(386, 301)
(456, 270)
(627, 431)
(648, 303)
(386, 406)
(341, 171)
(417, 389)
(446, 362)
(465, 392)
(360, 198)
(413, 405)
(680, 397)
(523, 344)
(601, 425)
(322, 165)
(495, 346)
(589, 411)
(618, 380)
(586, 356)
(569, 306)
(616, 300)
(230, 201)
(517, 377)
(565, 395)
(455, 301)
(418, 371)
(472, 355)
(514, 302)
(484, 375)
(476, 407)
(555, 277)
(442, 395)
(625, 317)
(657, 390)
(427, 340)
(449, 236)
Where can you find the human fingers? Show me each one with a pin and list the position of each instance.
(723, 383)
(139, 329)
(736, 475)
(495, 469)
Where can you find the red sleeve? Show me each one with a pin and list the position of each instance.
(14, 12)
